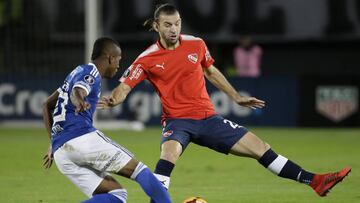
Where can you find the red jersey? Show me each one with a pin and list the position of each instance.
(177, 75)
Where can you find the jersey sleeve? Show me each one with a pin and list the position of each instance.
(86, 80)
(134, 75)
(207, 59)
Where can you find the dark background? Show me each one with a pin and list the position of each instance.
(314, 43)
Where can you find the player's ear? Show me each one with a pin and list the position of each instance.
(109, 59)
(155, 26)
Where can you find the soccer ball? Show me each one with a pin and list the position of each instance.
(194, 200)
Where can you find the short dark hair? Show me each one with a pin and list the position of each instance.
(101, 45)
(167, 9)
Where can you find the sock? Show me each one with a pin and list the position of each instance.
(164, 167)
(285, 168)
(103, 198)
(151, 185)
(121, 194)
(162, 172)
(305, 177)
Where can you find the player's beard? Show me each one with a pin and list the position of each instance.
(171, 41)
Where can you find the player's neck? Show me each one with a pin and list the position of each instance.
(169, 46)
(99, 67)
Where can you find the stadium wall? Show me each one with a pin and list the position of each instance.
(24, 102)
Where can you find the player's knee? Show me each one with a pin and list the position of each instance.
(171, 151)
(171, 156)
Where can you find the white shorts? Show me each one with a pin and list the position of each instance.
(87, 159)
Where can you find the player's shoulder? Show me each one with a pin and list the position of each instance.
(90, 69)
(87, 72)
(146, 58)
(190, 38)
(150, 50)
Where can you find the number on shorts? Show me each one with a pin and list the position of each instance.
(232, 124)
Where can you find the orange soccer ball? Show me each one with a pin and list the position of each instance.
(194, 200)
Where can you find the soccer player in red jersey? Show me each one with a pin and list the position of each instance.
(176, 65)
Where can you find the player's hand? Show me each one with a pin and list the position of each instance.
(82, 106)
(105, 102)
(251, 102)
(48, 158)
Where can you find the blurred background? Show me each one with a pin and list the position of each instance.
(301, 57)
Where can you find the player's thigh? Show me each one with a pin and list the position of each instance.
(250, 145)
(99, 152)
(85, 178)
(176, 137)
(219, 134)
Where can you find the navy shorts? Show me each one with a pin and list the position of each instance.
(215, 132)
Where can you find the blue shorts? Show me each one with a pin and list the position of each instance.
(214, 132)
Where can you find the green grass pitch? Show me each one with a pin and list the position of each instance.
(199, 172)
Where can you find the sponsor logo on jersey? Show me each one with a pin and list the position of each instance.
(193, 58)
(136, 73)
(89, 79)
(168, 133)
(336, 102)
(160, 65)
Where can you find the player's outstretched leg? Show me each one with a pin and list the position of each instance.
(321, 183)
(251, 145)
(150, 184)
(284, 167)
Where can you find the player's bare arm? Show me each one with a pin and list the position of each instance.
(48, 107)
(117, 97)
(78, 99)
(219, 80)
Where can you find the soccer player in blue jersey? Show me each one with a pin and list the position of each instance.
(83, 153)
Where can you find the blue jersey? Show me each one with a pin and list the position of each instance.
(67, 125)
